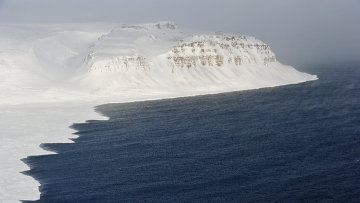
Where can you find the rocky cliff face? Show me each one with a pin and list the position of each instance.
(160, 26)
(220, 50)
(121, 63)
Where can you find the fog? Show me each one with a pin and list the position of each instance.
(301, 33)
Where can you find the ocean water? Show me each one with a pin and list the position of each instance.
(295, 143)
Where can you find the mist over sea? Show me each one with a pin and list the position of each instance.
(294, 143)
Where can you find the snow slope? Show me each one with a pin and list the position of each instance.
(52, 75)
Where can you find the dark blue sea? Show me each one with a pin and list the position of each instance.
(295, 143)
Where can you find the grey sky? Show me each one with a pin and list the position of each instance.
(300, 32)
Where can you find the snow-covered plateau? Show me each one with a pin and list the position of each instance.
(53, 75)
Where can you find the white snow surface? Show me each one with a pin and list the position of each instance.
(52, 76)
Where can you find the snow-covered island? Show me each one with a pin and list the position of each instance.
(53, 75)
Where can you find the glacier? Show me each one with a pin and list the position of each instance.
(52, 75)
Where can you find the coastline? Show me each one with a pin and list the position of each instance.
(39, 123)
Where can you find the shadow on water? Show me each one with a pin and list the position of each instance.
(296, 143)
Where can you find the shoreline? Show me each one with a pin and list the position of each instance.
(58, 117)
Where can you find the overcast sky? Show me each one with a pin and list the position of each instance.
(300, 32)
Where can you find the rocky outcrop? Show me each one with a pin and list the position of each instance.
(121, 63)
(160, 26)
(219, 50)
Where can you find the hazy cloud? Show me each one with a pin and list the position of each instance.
(1, 3)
